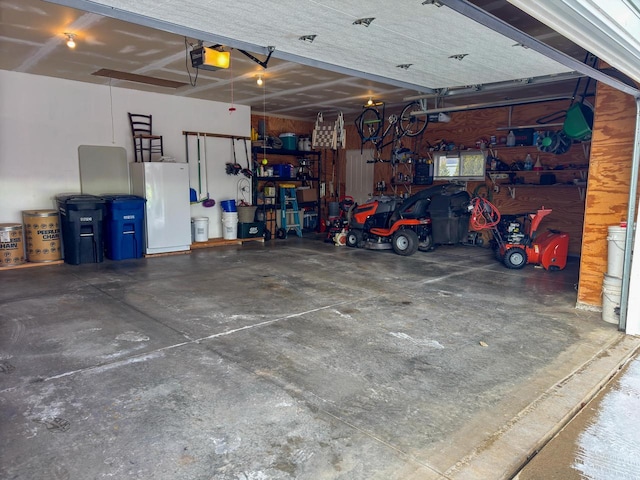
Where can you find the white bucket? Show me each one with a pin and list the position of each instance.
(611, 292)
(229, 225)
(201, 229)
(615, 260)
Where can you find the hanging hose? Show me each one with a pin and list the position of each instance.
(483, 191)
(484, 214)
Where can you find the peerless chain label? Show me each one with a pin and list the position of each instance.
(53, 234)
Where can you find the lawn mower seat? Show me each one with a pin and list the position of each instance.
(414, 207)
(417, 209)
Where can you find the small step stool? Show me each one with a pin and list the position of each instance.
(288, 198)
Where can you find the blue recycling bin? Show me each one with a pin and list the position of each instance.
(81, 224)
(124, 226)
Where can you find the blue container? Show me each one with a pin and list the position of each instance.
(124, 226)
(282, 171)
(228, 206)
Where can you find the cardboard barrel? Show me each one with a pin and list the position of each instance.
(11, 244)
(42, 228)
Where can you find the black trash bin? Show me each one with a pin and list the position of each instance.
(124, 226)
(81, 223)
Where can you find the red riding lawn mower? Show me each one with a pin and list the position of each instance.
(385, 223)
(515, 237)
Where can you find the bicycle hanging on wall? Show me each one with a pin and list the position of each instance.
(370, 123)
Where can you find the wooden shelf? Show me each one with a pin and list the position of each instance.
(512, 187)
(557, 170)
(220, 242)
(31, 264)
(280, 151)
(283, 179)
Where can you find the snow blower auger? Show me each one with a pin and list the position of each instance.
(516, 241)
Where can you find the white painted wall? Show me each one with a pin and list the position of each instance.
(43, 120)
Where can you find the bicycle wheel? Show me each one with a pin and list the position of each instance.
(369, 124)
(413, 125)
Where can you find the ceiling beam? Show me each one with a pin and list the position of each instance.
(497, 104)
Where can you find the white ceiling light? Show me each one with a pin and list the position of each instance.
(610, 30)
(70, 42)
(259, 81)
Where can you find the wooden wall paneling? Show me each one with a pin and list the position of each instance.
(468, 127)
(274, 126)
(567, 215)
(608, 188)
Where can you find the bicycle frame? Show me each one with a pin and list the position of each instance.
(370, 125)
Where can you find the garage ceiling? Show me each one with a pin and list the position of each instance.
(410, 48)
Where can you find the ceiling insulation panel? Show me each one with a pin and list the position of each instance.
(405, 32)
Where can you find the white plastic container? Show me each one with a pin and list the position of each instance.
(615, 257)
(229, 225)
(201, 229)
(611, 293)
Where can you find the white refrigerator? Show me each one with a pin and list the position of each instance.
(165, 186)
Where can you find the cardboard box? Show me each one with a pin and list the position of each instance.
(307, 195)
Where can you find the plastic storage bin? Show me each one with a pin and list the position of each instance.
(250, 229)
(289, 141)
(124, 226)
(81, 222)
(282, 170)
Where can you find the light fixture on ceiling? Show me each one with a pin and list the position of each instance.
(259, 81)
(307, 38)
(372, 103)
(70, 40)
(364, 21)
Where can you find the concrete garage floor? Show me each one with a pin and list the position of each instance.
(294, 359)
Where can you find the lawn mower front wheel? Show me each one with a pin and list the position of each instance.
(354, 238)
(405, 242)
(515, 258)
